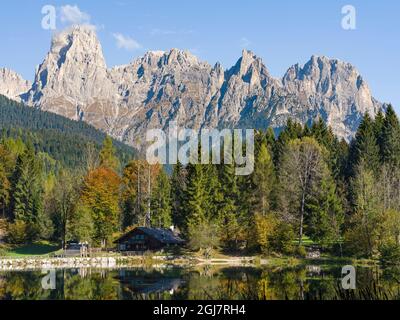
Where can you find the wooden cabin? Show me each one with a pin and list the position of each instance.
(147, 239)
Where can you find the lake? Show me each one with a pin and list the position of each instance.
(205, 283)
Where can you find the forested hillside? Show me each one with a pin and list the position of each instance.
(64, 140)
(307, 184)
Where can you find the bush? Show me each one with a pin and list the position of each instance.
(301, 251)
(390, 254)
(203, 236)
(263, 232)
(17, 232)
(3, 250)
(282, 241)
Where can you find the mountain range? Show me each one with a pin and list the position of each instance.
(150, 92)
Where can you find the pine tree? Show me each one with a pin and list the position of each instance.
(195, 198)
(390, 141)
(132, 185)
(270, 139)
(27, 194)
(230, 216)
(325, 213)
(161, 202)
(264, 180)
(364, 148)
(4, 190)
(214, 196)
(378, 128)
(107, 155)
(178, 189)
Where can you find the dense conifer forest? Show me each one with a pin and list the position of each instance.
(62, 139)
(307, 186)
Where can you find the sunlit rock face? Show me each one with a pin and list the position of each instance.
(161, 87)
(12, 85)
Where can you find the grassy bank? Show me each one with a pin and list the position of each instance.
(40, 249)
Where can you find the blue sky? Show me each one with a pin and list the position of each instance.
(281, 32)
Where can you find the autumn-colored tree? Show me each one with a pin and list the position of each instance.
(101, 189)
(264, 229)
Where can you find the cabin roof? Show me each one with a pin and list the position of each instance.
(165, 236)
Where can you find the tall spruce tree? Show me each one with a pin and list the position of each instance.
(378, 127)
(178, 189)
(390, 141)
(214, 195)
(107, 155)
(27, 194)
(364, 147)
(230, 216)
(325, 215)
(195, 198)
(161, 216)
(264, 180)
(4, 190)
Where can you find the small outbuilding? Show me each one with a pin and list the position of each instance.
(148, 239)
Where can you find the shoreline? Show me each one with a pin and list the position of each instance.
(44, 263)
(112, 262)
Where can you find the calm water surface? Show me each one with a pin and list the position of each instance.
(308, 282)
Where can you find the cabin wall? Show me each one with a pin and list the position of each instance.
(139, 241)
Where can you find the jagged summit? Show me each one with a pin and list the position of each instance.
(73, 75)
(175, 85)
(12, 85)
(336, 87)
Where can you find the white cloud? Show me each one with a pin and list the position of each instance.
(73, 15)
(125, 42)
(244, 42)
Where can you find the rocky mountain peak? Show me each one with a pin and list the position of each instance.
(151, 57)
(176, 58)
(12, 85)
(79, 44)
(73, 74)
(248, 62)
(336, 88)
(160, 87)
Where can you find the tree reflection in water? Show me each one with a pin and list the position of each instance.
(204, 283)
